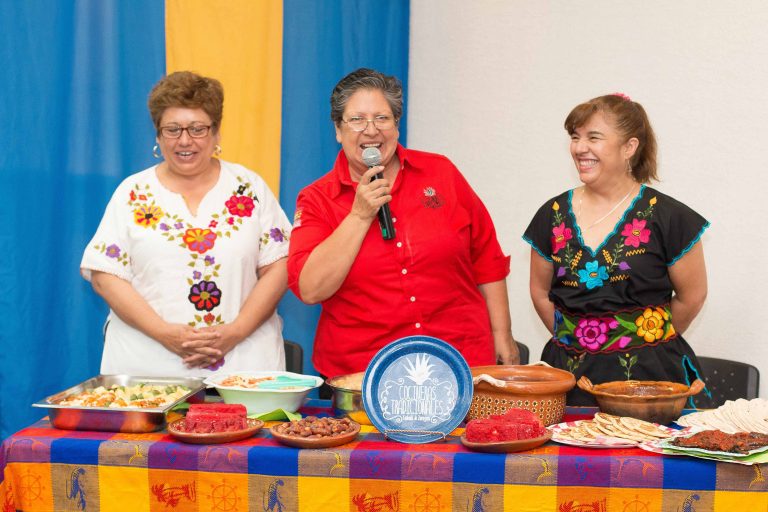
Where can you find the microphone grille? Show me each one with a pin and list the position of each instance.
(372, 157)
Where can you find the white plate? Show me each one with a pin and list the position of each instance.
(602, 441)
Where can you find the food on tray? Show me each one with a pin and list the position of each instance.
(313, 427)
(353, 381)
(269, 383)
(608, 425)
(208, 418)
(514, 425)
(239, 381)
(140, 395)
(715, 440)
(733, 416)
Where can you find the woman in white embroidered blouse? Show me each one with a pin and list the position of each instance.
(190, 254)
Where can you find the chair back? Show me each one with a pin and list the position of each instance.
(524, 352)
(294, 357)
(726, 380)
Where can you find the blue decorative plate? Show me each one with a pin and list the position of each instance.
(417, 389)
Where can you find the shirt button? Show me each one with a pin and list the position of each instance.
(399, 244)
(418, 325)
(405, 271)
(413, 299)
(394, 219)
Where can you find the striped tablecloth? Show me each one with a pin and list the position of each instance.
(48, 469)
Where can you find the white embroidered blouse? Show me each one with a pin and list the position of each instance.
(196, 270)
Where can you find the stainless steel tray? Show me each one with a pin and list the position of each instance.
(123, 419)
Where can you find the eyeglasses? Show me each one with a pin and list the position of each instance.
(196, 131)
(359, 124)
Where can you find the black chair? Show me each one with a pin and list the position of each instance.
(524, 352)
(294, 357)
(726, 380)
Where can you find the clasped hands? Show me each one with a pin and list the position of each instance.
(203, 346)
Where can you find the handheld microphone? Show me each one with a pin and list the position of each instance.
(372, 158)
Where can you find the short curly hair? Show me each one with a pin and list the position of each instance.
(365, 78)
(185, 89)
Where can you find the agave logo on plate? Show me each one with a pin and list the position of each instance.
(417, 389)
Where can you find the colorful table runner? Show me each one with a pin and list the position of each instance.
(48, 469)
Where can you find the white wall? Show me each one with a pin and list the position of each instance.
(491, 82)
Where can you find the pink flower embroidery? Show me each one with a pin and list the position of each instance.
(560, 237)
(240, 206)
(593, 333)
(636, 233)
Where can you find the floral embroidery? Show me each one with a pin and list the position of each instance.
(199, 240)
(276, 234)
(650, 325)
(113, 251)
(205, 295)
(592, 333)
(613, 332)
(560, 237)
(242, 206)
(636, 233)
(215, 366)
(147, 215)
(431, 198)
(567, 256)
(594, 275)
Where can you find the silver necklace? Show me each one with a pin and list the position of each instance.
(601, 219)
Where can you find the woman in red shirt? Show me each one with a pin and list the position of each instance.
(442, 275)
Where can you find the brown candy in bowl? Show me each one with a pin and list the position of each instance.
(539, 389)
(656, 401)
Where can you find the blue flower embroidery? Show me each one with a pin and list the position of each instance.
(593, 275)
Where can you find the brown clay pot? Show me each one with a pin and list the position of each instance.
(656, 401)
(539, 389)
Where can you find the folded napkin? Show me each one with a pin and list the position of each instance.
(276, 415)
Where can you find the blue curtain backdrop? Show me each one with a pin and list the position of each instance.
(75, 77)
(74, 81)
(322, 42)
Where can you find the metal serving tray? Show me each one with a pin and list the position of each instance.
(123, 419)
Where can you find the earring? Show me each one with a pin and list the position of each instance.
(155, 152)
(629, 167)
(217, 150)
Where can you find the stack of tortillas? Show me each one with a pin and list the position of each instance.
(733, 416)
(606, 425)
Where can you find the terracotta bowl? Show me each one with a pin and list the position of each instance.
(539, 389)
(656, 401)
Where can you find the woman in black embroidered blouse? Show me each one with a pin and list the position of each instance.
(617, 267)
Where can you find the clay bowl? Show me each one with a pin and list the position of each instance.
(656, 401)
(539, 389)
(347, 399)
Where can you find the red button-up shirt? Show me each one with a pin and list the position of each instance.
(424, 282)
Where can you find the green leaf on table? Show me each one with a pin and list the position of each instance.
(276, 415)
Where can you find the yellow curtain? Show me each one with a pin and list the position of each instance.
(239, 42)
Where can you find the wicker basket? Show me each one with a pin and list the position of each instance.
(539, 389)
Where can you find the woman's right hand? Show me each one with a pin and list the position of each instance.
(202, 352)
(371, 194)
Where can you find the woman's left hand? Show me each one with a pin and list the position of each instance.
(507, 351)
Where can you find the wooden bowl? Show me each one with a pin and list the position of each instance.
(539, 389)
(656, 401)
